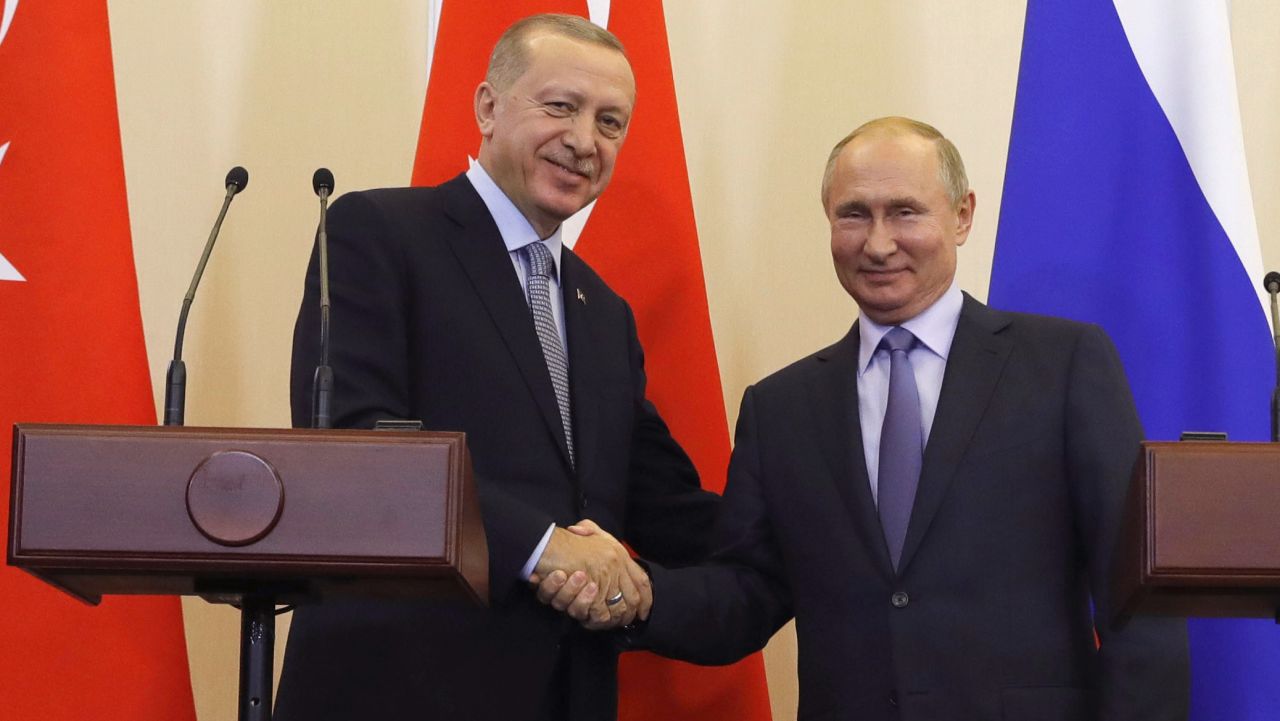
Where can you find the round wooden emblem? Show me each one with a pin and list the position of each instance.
(235, 497)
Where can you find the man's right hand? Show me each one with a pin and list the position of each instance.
(582, 569)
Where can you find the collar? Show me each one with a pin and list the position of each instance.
(935, 327)
(515, 229)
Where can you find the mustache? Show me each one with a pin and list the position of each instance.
(585, 167)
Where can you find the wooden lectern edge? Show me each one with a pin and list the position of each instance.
(474, 568)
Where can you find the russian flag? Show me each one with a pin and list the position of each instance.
(1126, 203)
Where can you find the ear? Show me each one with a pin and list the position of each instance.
(485, 105)
(964, 217)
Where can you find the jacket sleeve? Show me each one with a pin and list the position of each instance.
(1143, 667)
(722, 611)
(669, 516)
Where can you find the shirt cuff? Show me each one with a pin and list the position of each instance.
(532, 563)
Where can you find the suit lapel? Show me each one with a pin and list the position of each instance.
(974, 366)
(487, 263)
(833, 395)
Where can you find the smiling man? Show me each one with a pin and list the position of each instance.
(934, 498)
(449, 306)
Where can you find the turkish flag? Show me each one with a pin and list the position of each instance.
(71, 351)
(641, 238)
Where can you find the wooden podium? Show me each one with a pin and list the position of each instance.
(1201, 534)
(249, 517)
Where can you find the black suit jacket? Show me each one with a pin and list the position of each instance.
(1009, 543)
(429, 322)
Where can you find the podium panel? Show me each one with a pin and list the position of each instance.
(223, 513)
(1201, 531)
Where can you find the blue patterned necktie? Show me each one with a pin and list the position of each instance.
(541, 266)
(901, 443)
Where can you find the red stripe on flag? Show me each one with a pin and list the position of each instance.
(72, 350)
(642, 238)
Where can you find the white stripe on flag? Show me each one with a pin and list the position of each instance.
(7, 271)
(6, 19)
(598, 12)
(1184, 50)
(433, 30)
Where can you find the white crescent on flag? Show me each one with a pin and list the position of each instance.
(7, 271)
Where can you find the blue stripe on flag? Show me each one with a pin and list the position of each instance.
(1102, 220)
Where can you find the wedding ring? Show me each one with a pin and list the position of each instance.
(614, 600)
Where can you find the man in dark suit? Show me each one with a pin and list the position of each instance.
(934, 498)
(459, 306)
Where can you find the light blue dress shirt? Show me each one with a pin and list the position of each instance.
(934, 328)
(517, 232)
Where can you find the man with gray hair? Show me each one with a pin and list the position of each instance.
(934, 498)
(459, 306)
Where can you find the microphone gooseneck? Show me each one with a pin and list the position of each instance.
(175, 391)
(322, 389)
(1271, 283)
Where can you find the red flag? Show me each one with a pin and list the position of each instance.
(71, 350)
(647, 205)
(464, 38)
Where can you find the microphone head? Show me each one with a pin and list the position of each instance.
(322, 179)
(1271, 283)
(237, 179)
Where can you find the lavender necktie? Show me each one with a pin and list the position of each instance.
(541, 267)
(901, 443)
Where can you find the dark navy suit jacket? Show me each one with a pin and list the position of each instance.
(429, 322)
(1004, 574)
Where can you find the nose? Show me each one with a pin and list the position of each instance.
(880, 243)
(580, 135)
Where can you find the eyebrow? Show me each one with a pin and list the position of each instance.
(905, 202)
(891, 203)
(577, 96)
(851, 205)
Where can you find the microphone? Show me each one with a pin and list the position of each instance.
(322, 389)
(1272, 285)
(175, 390)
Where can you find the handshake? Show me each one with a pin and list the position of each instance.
(588, 574)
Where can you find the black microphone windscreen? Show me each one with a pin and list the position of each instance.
(237, 177)
(322, 178)
(1271, 283)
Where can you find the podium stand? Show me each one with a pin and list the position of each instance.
(249, 517)
(1201, 534)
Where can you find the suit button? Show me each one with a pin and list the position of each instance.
(582, 501)
(893, 698)
(900, 599)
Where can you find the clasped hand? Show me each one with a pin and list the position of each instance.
(583, 570)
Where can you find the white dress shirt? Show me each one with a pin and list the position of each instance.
(934, 329)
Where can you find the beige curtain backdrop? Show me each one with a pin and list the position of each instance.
(765, 88)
